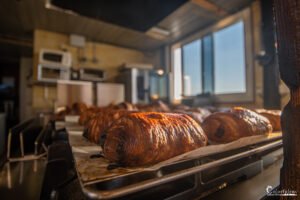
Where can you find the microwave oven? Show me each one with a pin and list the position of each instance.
(89, 74)
(53, 73)
(55, 57)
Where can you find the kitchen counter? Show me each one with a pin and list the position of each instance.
(22, 180)
(25, 179)
(253, 188)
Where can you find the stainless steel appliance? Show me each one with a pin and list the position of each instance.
(69, 92)
(55, 57)
(89, 74)
(108, 93)
(53, 73)
(136, 81)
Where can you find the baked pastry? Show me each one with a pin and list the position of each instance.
(88, 114)
(100, 122)
(126, 106)
(234, 124)
(145, 138)
(273, 116)
(78, 108)
(180, 107)
(198, 114)
(157, 106)
(203, 111)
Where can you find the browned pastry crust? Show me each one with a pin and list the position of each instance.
(198, 114)
(194, 115)
(238, 122)
(88, 114)
(205, 112)
(78, 108)
(198, 117)
(99, 123)
(126, 106)
(147, 138)
(273, 116)
(161, 106)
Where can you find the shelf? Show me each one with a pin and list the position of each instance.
(42, 83)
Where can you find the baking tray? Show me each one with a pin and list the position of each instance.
(100, 180)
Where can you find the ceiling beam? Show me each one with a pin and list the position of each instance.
(15, 41)
(209, 6)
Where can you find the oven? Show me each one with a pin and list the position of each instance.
(136, 81)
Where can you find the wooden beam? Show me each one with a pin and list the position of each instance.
(270, 65)
(209, 6)
(16, 41)
(287, 20)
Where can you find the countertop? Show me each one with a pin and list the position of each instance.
(253, 188)
(22, 180)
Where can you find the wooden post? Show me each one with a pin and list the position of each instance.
(287, 19)
(270, 65)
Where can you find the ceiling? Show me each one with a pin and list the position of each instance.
(18, 18)
(139, 15)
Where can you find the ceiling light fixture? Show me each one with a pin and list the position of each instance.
(158, 33)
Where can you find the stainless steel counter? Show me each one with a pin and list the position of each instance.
(22, 180)
(253, 188)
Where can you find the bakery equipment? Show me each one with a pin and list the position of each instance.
(24, 165)
(192, 177)
(136, 81)
(69, 92)
(55, 58)
(186, 178)
(91, 74)
(28, 140)
(52, 73)
(108, 93)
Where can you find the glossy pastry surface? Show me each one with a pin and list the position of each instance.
(273, 116)
(223, 127)
(145, 138)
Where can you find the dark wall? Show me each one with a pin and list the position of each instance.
(270, 59)
(9, 91)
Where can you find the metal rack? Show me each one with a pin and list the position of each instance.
(210, 172)
(17, 132)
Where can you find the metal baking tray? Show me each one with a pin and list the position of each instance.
(209, 167)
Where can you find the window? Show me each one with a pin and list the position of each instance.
(158, 86)
(229, 60)
(177, 74)
(207, 64)
(192, 76)
(216, 61)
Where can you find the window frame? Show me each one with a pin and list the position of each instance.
(245, 16)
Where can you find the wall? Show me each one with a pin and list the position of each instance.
(257, 24)
(257, 47)
(110, 58)
(25, 91)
